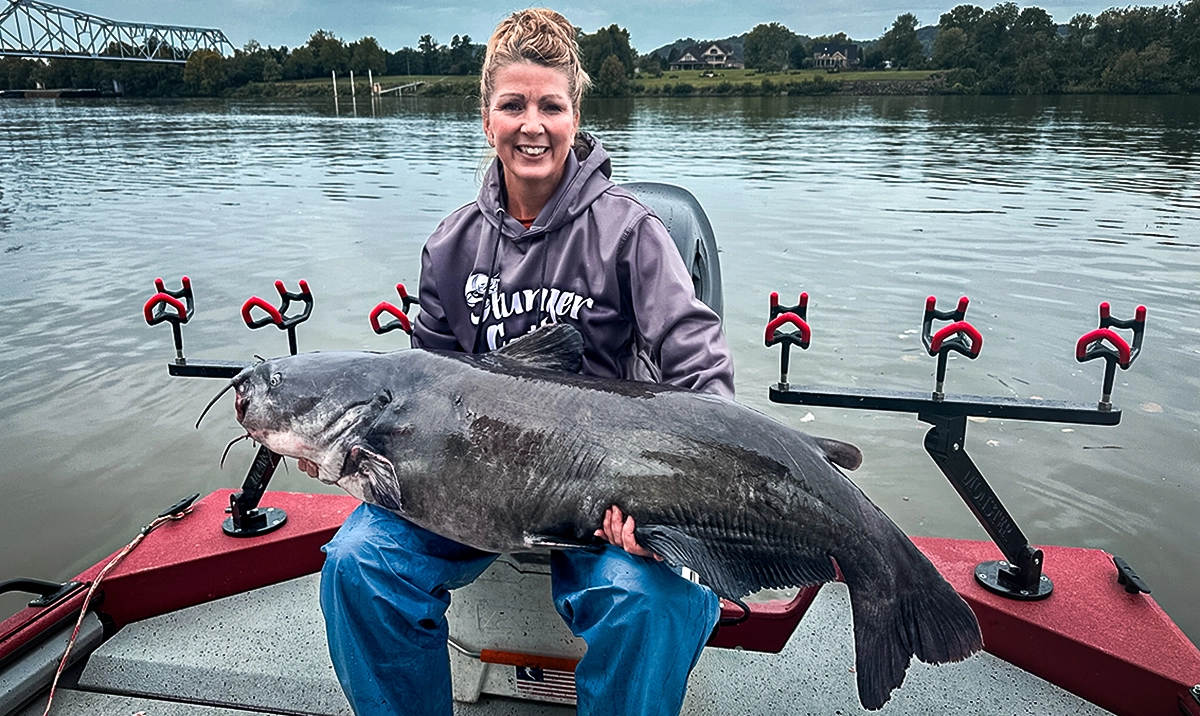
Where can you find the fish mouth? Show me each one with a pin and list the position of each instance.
(240, 403)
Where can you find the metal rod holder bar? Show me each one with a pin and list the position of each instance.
(1052, 411)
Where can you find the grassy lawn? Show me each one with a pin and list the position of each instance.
(700, 82)
(697, 78)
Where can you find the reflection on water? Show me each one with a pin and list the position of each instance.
(1036, 208)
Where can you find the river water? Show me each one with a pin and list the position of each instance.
(1037, 209)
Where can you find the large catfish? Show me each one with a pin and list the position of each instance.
(515, 451)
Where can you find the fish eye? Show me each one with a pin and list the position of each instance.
(275, 379)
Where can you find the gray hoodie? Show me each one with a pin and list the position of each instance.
(594, 257)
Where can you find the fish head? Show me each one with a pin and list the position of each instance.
(316, 406)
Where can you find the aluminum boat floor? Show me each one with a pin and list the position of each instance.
(264, 652)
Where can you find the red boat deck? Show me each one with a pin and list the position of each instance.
(1116, 650)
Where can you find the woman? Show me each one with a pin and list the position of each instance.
(548, 239)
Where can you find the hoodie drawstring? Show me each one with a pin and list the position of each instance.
(487, 286)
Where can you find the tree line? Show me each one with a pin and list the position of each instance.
(1009, 50)
(1002, 50)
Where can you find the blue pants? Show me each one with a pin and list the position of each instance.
(385, 589)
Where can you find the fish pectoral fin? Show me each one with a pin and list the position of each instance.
(378, 473)
(557, 542)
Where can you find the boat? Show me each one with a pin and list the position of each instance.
(213, 610)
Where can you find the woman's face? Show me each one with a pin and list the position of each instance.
(532, 124)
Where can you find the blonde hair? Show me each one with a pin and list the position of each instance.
(538, 36)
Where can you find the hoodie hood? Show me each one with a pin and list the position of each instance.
(585, 179)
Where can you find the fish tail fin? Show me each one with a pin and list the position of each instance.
(915, 613)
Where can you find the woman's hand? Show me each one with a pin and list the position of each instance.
(307, 467)
(617, 530)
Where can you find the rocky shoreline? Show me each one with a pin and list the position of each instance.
(934, 84)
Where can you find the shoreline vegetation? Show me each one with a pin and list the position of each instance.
(1005, 50)
(681, 83)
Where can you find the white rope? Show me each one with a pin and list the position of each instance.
(92, 590)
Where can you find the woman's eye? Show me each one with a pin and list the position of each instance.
(552, 109)
(510, 107)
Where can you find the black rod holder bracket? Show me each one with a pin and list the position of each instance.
(246, 519)
(1020, 575)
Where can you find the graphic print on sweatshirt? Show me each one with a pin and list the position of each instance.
(552, 304)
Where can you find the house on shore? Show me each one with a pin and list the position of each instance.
(707, 56)
(827, 55)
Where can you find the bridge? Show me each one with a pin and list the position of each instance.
(30, 28)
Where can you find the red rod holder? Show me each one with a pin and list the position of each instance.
(279, 316)
(160, 306)
(400, 314)
(1092, 345)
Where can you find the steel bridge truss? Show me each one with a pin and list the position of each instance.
(29, 28)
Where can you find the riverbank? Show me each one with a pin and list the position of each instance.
(683, 83)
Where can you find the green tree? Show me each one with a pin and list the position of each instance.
(464, 57)
(1186, 47)
(1146, 71)
(950, 49)
(204, 72)
(430, 53)
(272, 70)
(366, 55)
(329, 53)
(900, 43)
(402, 61)
(17, 73)
(301, 64)
(769, 46)
(611, 80)
(607, 41)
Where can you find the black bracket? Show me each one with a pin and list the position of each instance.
(49, 593)
(949, 338)
(246, 518)
(178, 306)
(278, 316)
(796, 316)
(1091, 346)
(1020, 575)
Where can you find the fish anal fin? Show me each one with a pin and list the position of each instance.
(733, 570)
(558, 346)
(379, 474)
(558, 542)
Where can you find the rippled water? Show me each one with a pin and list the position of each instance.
(1037, 209)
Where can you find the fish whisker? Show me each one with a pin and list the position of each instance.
(213, 402)
(238, 439)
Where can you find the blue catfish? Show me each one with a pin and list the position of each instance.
(515, 451)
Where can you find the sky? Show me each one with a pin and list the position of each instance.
(651, 23)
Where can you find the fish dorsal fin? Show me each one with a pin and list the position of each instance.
(558, 346)
(840, 453)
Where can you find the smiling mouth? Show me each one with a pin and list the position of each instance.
(533, 151)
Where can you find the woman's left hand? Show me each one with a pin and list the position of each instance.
(617, 530)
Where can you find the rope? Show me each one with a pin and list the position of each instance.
(96, 584)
